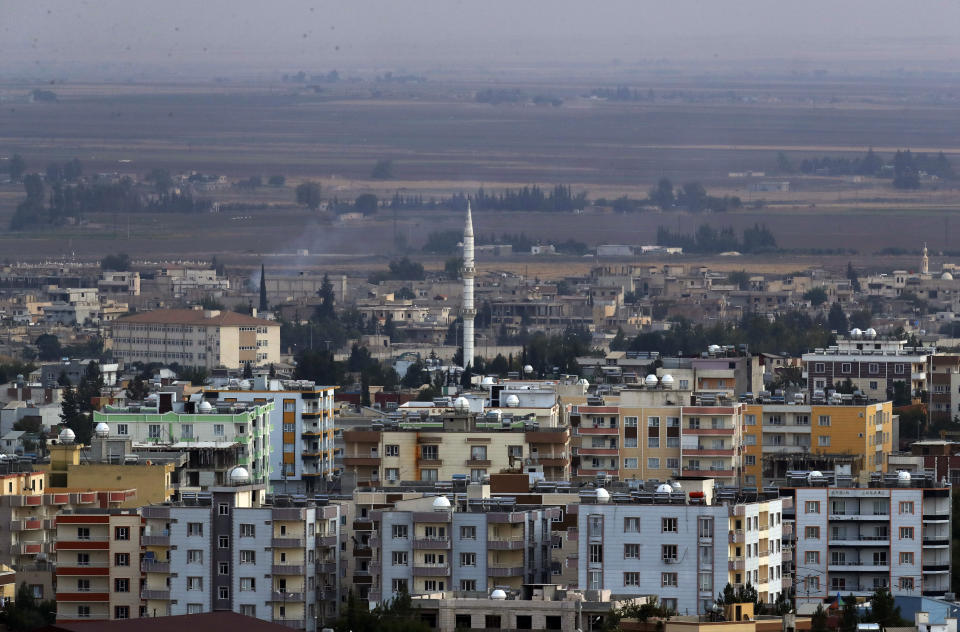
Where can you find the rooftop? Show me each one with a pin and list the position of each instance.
(196, 317)
(220, 621)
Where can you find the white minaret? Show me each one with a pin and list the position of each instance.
(468, 310)
(924, 262)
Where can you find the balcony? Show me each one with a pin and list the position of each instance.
(431, 543)
(153, 566)
(431, 570)
(512, 544)
(155, 512)
(26, 525)
(705, 451)
(95, 543)
(736, 564)
(287, 569)
(857, 567)
(286, 597)
(288, 543)
(736, 536)
(884, 517)
(936, 568)
(599, 452)
(504, 571)
(708, 431)
(155, 540)
(477, 463)
(931, 517)
(296, 624)
(586, 430)
(534, 437)
(710, 473)
(431, 462)
(326, 567)
(361, 460)
(327, 540)
(861, 540)
(84, 596)
(163, 595)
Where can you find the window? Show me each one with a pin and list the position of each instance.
(906, 583)
(906, 557)
(247, 584)
(811, 533)
(906, 506)
(906, 533)
(391, 450)
(121, 585)
(705, 527)
(668, 525)
(83, 533)
(392, 474)
(83, 585)
(247, 530)
(629, 422)
(477, 475)
(429, 452)
(630, 442)
(468, 559)
(811, 506)
(631, 551)
(468, 533)
(631, 579)
(844, 367)
(705, 581)
(186, 431)
(121, 612)
(653, 463)
(223, 509)
(811, 557)
(123, 430)
(653, 442)
(248, 609)
(468, 584)
(693, 423)
(596, 553)
(195, 556)
(399, 531)
(83, 611)
(749, 459)
(478, 453)
(669, 604)
(194, 528)
(218, 430)
(653, 422)
(83, 559)
(428, 475)
(223, 542)
(631, 525)
(669, 552)
(749, 420)
(248, 557)
(668, 579)
(194, 583)
(223, 568)
(823, 441)
(594, 580)
(223, 592)
(121, 559)
(631, 463)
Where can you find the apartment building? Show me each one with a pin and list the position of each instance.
(241, 427)
(98, 559)
(196, 337)
(72, 306)
(778, 438)
(654, 432)
(29, 506)
(944, 393)
(453, 445)
(871, 363)
(893, 533)
(682, 549)
(119, 283)
(237, 549)
(302, 428)
(430, 544)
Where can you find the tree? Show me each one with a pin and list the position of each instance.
(16, 167)
(740, 278)
(452, 268)
(325, 308)
(263, 289)
(848, 615)
(883, 610)
(818, 622)
(383, 170)
(783, 163)
(861, 319)
(276, 181)
(619, 341)
(137, 389)
(837, 319)
(27, 612)
(366, 203)
(905, 172)
(817, 296)
(404, 294)
(118, 263)
(162, 182)
(48, 347)
(852, 276)
(364, 389)
(662, 194)
(247, 371)
(197, 376)
(308, 194)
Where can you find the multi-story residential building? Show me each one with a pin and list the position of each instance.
(778, 438)
(944, 393)
(428, 544)
(30, 507)
(239, 426)
(72, 306)
(451, 445)
(119, 283)
(196, 337)
(231, 550)
(682, 550)
(872, 364)
(649, 432)
(302, 422)
(98, 559)
(893, 533)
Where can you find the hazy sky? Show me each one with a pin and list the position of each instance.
(242, 35)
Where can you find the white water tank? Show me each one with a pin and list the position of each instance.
(664, 488)
(667, 381)
(603, 496)
(488, 381)
(870, 333)
(239, 476)
(855, 332)
(441, 503)
(102, 430)
(651, 380)
(498, 595)
(903, 477)
(461, 405)
(528, 369)
(512, 401)
(205, 407)
(67, 436)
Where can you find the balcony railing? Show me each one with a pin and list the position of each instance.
(152, 566)
(511, 544)
(296, 624)
(504, 571)
(431, 543)
(431, 570)
(288, 543)
(286, 597)
(155, 540)
(163, 595)
(287, 569)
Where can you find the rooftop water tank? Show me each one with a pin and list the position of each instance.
(102, 430)
(603, 496)
(667, 381)
(528, 369)
(651, 380)
(441, 503)
(461, 405)
(512, 401)
(205, 407)
(498, 594)
(664, 488)
(67, 436)
(239, 476)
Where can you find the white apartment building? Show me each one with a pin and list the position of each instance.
(682, 550)
(894, 534)
(196, 337)
(302, 428)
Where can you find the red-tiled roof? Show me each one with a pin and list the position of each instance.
(208, 622)
(196, 317)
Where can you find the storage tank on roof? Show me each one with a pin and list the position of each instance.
(205, 407)
(441, 503)
(667, 381)
(603, 496)
(102, 430)
(461, 405)
(239, 476)
(67, 436)
(651, 380)
(512, 401)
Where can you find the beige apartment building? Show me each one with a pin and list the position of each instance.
(196, 337)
